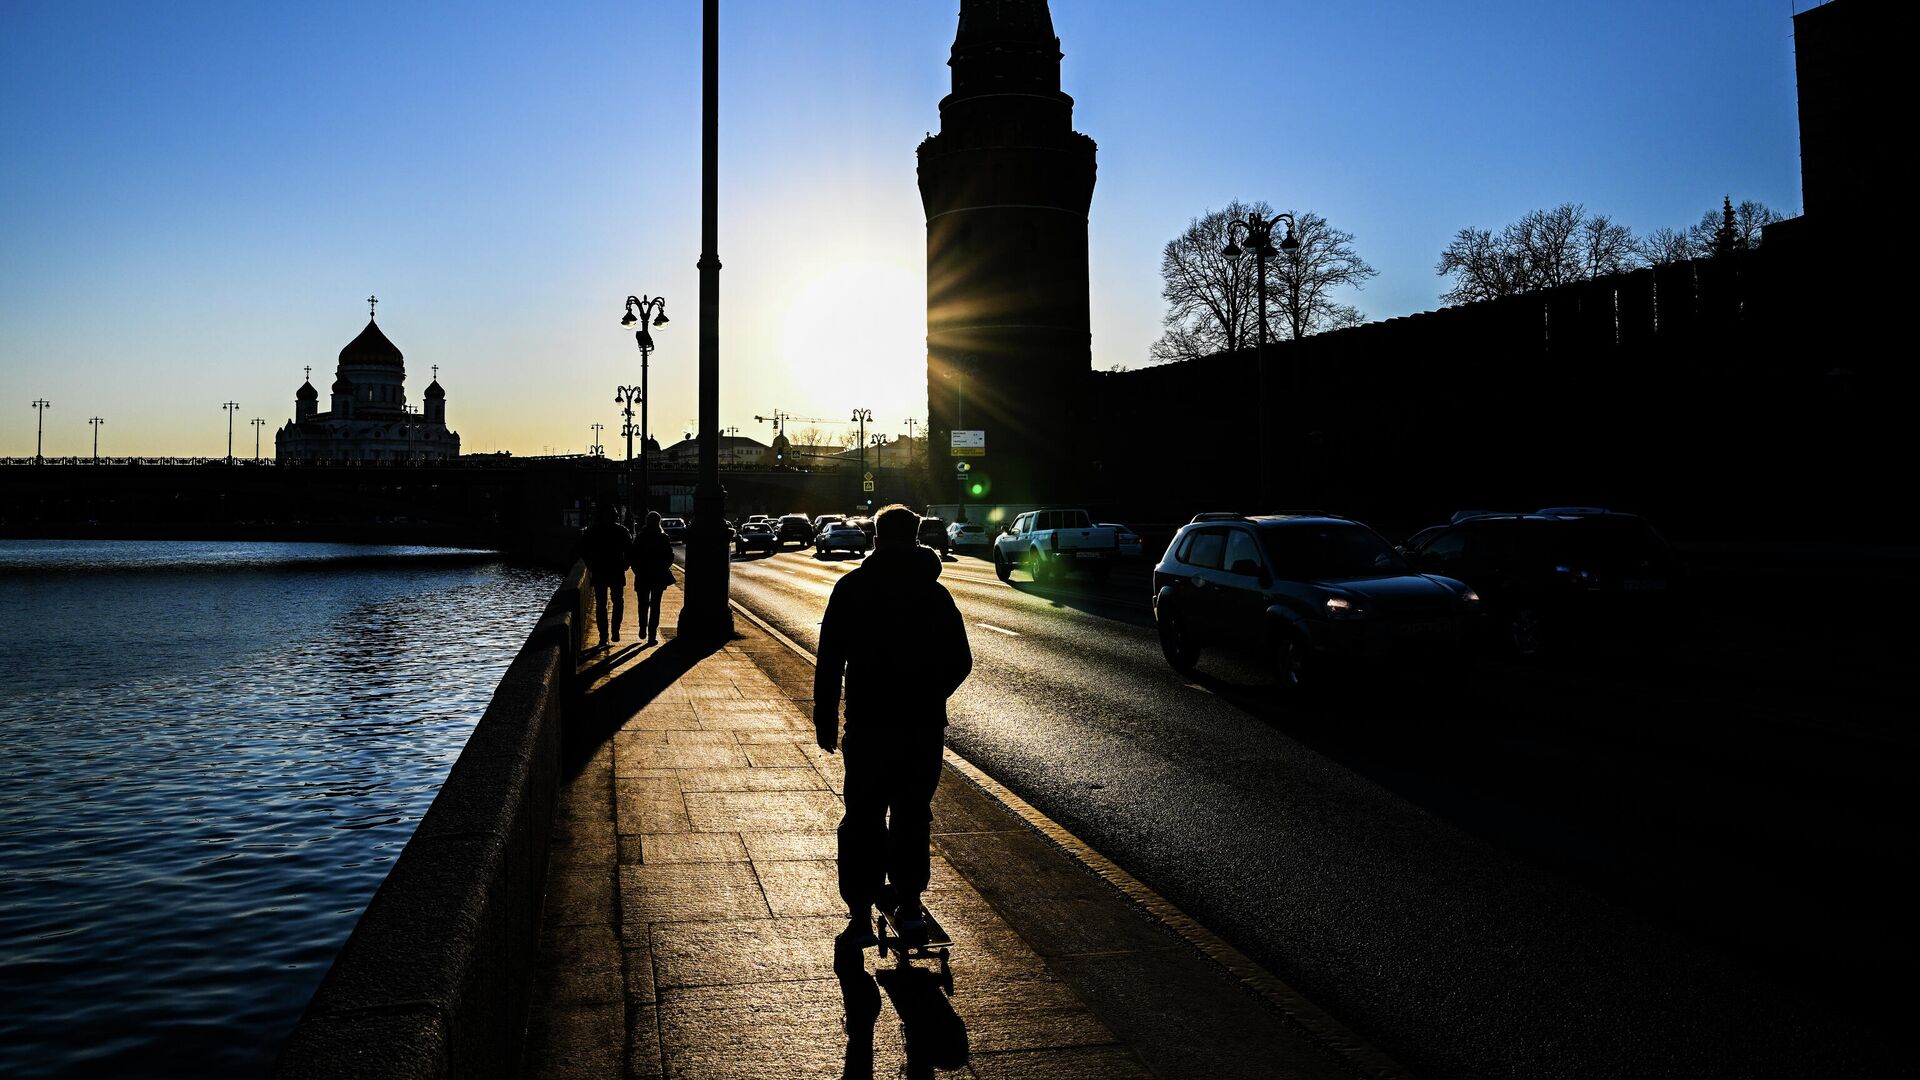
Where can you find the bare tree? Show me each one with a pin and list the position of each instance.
(1303, 280)
(1665, 245)
(1544, 249)
(1213, 299)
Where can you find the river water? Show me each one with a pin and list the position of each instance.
(210, 754)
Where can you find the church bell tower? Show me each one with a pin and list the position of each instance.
(1006, 185)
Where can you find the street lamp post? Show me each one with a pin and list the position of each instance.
(861, 416)
(258, 423)
(231, 407)
(1259, 236)
(704, 615)
(96, 422)
(911, 423)
(625, 397)
(655, 306)
(596, 449)
(40, 405)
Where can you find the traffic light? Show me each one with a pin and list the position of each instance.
(976, 484)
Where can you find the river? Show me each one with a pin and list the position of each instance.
(211, 753)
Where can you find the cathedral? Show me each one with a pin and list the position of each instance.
(368, 418)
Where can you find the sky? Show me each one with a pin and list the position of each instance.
(196, 197)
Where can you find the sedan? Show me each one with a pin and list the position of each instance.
(1302, 593)
(1128, 542)
(967, 534)
(841, 536)
(754, 536)
(675, 528)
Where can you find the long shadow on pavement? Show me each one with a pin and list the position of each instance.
(626, 693)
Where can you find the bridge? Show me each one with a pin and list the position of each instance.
(525, 507)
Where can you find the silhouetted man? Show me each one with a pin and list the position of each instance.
(605, 548)
(894, 632)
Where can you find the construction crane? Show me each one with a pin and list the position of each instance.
(780, 420)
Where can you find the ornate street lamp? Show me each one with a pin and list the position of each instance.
(1258, 230)
(639, 308)
(704, 615)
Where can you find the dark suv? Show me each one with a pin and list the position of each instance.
(1298, 591)
(1558, 576)
(794, 528)
(933, 533)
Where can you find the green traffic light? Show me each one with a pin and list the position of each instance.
(978, 489)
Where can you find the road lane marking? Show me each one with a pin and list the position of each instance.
(997, 629)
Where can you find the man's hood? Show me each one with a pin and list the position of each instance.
(902, 564)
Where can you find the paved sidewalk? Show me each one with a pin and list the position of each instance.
(692, 905)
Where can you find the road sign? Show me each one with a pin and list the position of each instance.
(963, 467)
(866, 485)
(968, 444)
(866, 476)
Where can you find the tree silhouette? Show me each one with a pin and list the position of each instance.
(1544, 249)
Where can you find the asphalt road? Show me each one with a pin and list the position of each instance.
(1489, 872)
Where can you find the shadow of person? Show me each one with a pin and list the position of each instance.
(862, 1000)
(935, 1035)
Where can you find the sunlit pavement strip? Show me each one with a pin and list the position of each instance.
(997, 630)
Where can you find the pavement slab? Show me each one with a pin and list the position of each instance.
(693, 902)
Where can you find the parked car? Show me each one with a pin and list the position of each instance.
(933, 533)
(967, 534)
(841, 536)
(675, 528)
(1300, 592)
(1129, 544)
(754, 536)
(1048, 543)
(1559, 577)
(794, 529)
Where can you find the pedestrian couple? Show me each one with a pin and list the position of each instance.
(608, 551)
(896, 636)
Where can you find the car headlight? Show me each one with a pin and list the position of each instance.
(1469, 597)
(1339, 607)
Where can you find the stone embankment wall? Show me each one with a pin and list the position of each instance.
(434, 981)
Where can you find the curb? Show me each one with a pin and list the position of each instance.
(1242, 969)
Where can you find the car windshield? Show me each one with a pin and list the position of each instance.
(1330, 550)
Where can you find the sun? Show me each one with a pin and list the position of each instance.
(875, 355)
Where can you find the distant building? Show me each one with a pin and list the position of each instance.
(736, 451)
(368, 418)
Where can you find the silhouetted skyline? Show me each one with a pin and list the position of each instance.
(196, 200)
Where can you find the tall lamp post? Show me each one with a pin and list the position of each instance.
(655, 306)
(96, 422)
(625, 397)
(1258, 232)
(41, 405)
(596, 449)
(911, 424)
(258, 423)
(861, 416)
(231, 407)
(704, 614)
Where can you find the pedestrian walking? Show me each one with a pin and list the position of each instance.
(606, 549)
(652, 572)
(893, 632)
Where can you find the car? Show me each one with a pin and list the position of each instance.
(794, 528)
(820, 523)
(754, 536)
(967, 534)
(1049, 543)
(933, 533)
(841, 536)
(1127, 540)
(752, 518)
(1302, 593)
(864, 524)
(675, 528)
(1558, 578)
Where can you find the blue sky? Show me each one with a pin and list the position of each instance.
(194, 197)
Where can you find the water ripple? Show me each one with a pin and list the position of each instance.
(214, 753)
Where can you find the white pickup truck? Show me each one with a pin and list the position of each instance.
(1048, 543)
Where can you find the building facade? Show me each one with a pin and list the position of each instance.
(368, 418)
(1006, 185)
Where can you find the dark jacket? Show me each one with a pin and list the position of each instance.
(894, 631)
(603, 547)
(652, 560)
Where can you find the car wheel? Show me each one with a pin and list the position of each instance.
(1001, 568)
(1526, 634)
(1292, 668)
(1176, 640)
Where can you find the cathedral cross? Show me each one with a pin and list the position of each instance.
(309, 371)
(436, 372)
(371, 301)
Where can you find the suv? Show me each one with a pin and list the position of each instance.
(1299, 591)
(1048, 543)
(796, 528)
(1557, 575)
(933, 533)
